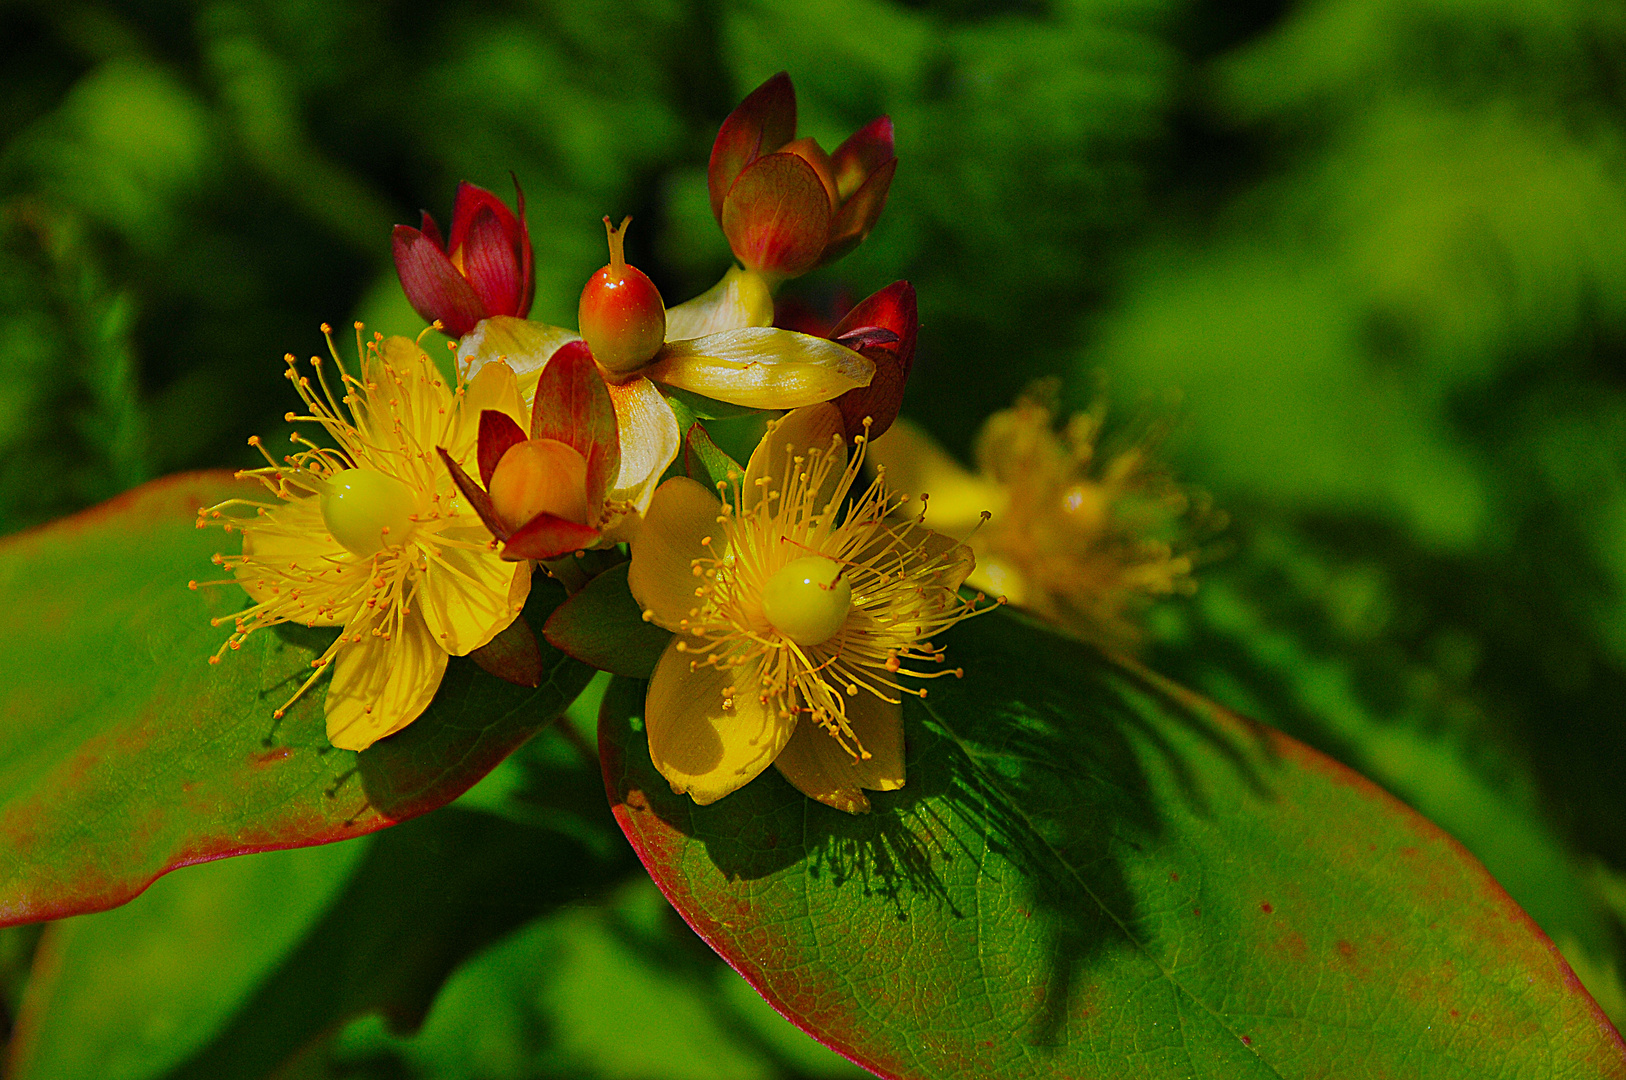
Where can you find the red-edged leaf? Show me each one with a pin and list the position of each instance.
(547, 537)
(490, 264)
(866, 150)
(858, 215)
(527, 257)
(124, 754)
(761, 124)
(470, 201)
(499, 433)
(432, 284)
(573, 407)
(602, 625)
(479, 501)
(512, 656)
(892, 309)
(1092, 873)
(777, 216)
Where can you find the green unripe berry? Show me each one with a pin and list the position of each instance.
(368, 511)
(808, 599)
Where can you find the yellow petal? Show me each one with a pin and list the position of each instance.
(703, 748)
(494, 386)
(293, 536)
(821, 769)
(469, 597)
(526, 347)
(661, 577)
(650, 440)
(740, 299)
(761, 368)
(916, 465)
(379, 686)
(999, 577)
(791, 436)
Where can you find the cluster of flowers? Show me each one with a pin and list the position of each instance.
(801, 597)
(798, 599)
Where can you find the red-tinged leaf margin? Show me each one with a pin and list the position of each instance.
(124, 755)
(1091, 872)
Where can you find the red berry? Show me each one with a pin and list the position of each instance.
(622, 317)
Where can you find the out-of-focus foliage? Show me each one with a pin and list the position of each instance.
(1377, 246)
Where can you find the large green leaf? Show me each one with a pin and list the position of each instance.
(1093, 873)
(123, 754)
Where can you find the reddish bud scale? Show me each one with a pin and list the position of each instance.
(622, 316)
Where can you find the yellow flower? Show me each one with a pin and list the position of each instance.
(1080, 538)
(371, 535)
(720, 345)
(792, 622)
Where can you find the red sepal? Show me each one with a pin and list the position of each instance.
(547, 537)
(470, 201)
(859, 214)
(491, 263)
(892, 310)
(432, 231)
(777, 216)
(476, 495)
(499, 433)
(527, 258)
(432, 284)
(763, 122)
(573, 406)
(866, 150)
(512, 655)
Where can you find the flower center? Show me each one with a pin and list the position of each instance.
(807, 600)
(540, 476)
(368, 511)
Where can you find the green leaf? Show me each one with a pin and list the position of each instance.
(602, 625)
(231, 970)
(1091, 872)
(123, 754)
(706, 463)
(132, 993)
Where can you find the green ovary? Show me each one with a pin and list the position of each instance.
(368, 511)
(807, 600)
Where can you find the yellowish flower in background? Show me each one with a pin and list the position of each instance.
(1081, 538)
(792, 622)
(371, 535)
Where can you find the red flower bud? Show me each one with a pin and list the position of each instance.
(882, 328)
(485, 269)
(785, 205)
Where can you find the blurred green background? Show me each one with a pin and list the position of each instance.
(1377, 247)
